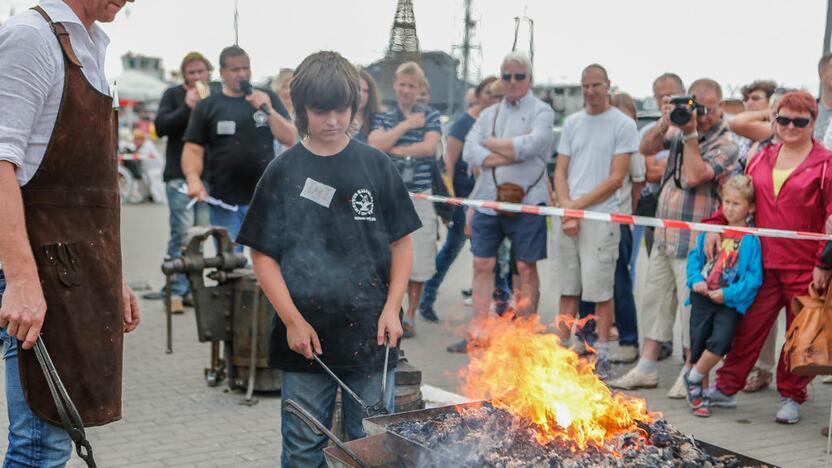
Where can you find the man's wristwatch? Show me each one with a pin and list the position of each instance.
(694, 135)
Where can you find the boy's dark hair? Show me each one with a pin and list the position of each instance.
(326, 81)
(231, 51)
(766, 86)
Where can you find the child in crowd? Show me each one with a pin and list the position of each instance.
(329, 228)
(721, 289)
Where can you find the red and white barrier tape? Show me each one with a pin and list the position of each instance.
(621, 219)
(136, 157)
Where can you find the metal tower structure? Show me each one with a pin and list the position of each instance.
(530, 22)
(467, 47)
(403, 45)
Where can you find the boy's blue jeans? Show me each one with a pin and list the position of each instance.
(316, 394)
(624, 302)
(33, 442)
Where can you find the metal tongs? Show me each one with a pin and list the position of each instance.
(67, 411)
(318, 428)
(379, 407)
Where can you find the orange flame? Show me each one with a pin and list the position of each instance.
(528, 373)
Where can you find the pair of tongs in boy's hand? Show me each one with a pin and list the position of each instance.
(376, 409)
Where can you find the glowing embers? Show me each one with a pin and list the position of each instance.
(526, 372)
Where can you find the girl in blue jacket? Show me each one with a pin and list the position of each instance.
(722, 289)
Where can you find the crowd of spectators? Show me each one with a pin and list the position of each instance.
(770, 160)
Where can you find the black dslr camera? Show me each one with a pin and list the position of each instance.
(683, 107)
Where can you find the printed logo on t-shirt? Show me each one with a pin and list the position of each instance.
(363, 205)
(261, 119)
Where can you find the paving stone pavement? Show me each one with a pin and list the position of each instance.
(173, 419)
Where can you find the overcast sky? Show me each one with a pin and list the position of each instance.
(732, 41)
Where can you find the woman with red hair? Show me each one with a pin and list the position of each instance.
(793, 191)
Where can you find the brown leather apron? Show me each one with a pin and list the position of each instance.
(72, 214)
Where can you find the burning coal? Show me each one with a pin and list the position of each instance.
(527, 373)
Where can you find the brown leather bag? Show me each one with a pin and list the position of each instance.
(808, 345)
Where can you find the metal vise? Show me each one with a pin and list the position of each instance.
(233, 311)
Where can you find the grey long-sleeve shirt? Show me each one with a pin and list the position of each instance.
(529, 124)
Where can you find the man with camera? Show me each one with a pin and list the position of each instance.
(702, 153)
(593, 159)
(511, 142)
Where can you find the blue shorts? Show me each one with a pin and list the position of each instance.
(527, 233)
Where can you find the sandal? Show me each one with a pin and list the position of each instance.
(757, 380)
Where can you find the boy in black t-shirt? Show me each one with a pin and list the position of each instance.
(329, 227)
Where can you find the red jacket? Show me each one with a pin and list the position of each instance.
(804, 204)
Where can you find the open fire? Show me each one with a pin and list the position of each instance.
(527, 373)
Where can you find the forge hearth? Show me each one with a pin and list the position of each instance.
(479, 434)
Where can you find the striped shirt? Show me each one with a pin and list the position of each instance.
(420, 168)
(720, 151)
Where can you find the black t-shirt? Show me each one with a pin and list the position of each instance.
(329, 222)
(238, 143)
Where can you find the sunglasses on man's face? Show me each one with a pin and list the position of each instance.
(517, 76)
(798, 122)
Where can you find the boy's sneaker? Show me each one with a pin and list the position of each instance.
(635, 379)
(693, 392)
(719, 399)
(789, 412)
(624, 354)
(428, 314)
(468, 301)
(603, 368)
(677, 391)
(408, 328)
(467, 292)
(704, 411)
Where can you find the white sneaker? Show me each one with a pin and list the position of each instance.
(636, 379)
(827, 379)
(624, 354)
(468, 301)
(677, 391)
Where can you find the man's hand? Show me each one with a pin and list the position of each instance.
(711, 245)
(570, 226)
(390, 326)
(303, 339)
(717, 296)
(192, 98)
(701, 288)
(415, 120)
(196, 189)
(23, 309)
(132, 315)
(258, 99)
(820, 279)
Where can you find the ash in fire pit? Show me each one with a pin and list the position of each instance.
(492, 437)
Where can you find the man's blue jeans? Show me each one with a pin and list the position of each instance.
(232, 221)
(33, 442)
(316, 393)
(180, 220)
(454, 242)
(625, 304)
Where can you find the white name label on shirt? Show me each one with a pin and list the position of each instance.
(226, 127)
(317, 192)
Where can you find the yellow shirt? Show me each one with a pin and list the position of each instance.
(778, 177)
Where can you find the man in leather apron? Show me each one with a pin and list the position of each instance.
(59, 239)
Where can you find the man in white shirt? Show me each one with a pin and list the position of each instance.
(59, 244)
(511, 143)
(593, 160)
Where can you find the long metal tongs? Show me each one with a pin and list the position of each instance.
(70, 418)
(374, 410)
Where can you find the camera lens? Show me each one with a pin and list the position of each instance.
(680, 115)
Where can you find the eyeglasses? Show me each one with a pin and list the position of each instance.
(798, 122)
(517, 76)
